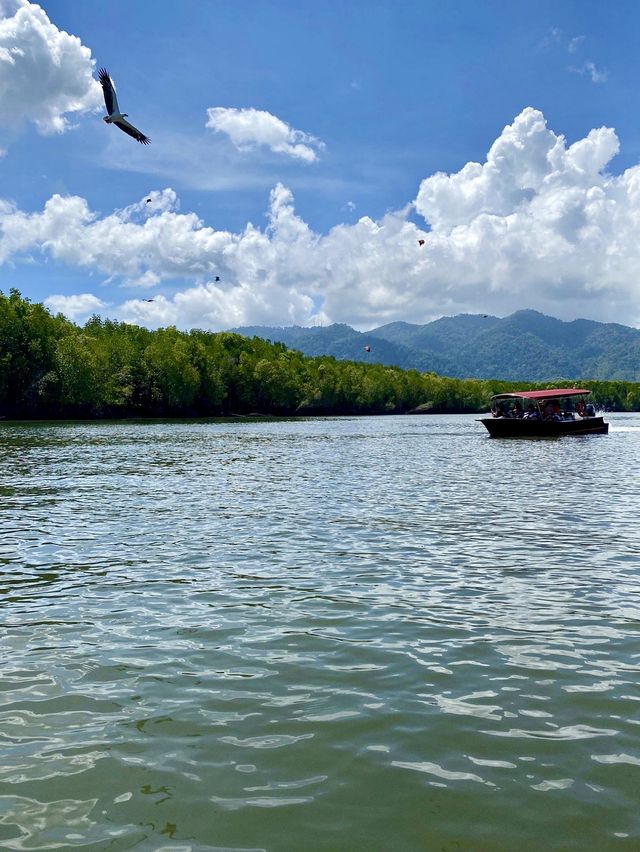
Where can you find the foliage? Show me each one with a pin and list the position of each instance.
(50, 367)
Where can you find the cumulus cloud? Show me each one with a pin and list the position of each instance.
(539, 223)
(250, 128)
(527, 164)
(75, 307)
(209, 305)
(45, 73)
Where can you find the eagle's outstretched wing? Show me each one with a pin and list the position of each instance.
(109, 92)
(123, 124)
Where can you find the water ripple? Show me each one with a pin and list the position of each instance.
(318, 634)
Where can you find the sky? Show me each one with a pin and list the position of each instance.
(357, 162)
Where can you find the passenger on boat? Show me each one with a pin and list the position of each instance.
(590, 410)
(549, 411)
(517, 411)
(557, 411)
(531, 413)
(581, 408)
(501, 411)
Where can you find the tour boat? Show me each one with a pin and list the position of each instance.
(543, 414)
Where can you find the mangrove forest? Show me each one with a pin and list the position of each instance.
(52, 368)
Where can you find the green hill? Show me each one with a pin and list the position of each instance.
(525, 346)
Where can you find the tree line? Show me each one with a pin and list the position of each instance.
(53, 368)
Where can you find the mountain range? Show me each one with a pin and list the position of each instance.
(524, 346)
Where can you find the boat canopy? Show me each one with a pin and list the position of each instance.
(551, 393)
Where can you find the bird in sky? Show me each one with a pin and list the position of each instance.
(217, 277)
(420, 242)
(148, 300)
(147, 201)
(367, 349)
(115, 116)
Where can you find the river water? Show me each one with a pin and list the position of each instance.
(387, 633)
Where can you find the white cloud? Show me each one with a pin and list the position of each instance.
(540, 223)
(248, 128)
(45, 73)
(75, 307)
(526, 162)
(575, 43)
(208, 305)
(589, 69)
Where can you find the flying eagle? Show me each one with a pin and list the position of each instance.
(115, 116)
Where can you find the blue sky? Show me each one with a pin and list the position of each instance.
(300, 151)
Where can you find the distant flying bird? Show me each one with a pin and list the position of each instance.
(420, 242)
(147, 200)
(148, 300)
(217, 277)
(367, 349)
(115, 116)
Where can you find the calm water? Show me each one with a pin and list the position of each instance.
(336, 634)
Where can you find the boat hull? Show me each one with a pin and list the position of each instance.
(505, 427)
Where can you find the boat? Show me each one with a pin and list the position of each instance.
(543, 414)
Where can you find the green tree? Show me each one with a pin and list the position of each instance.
(172, 380)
